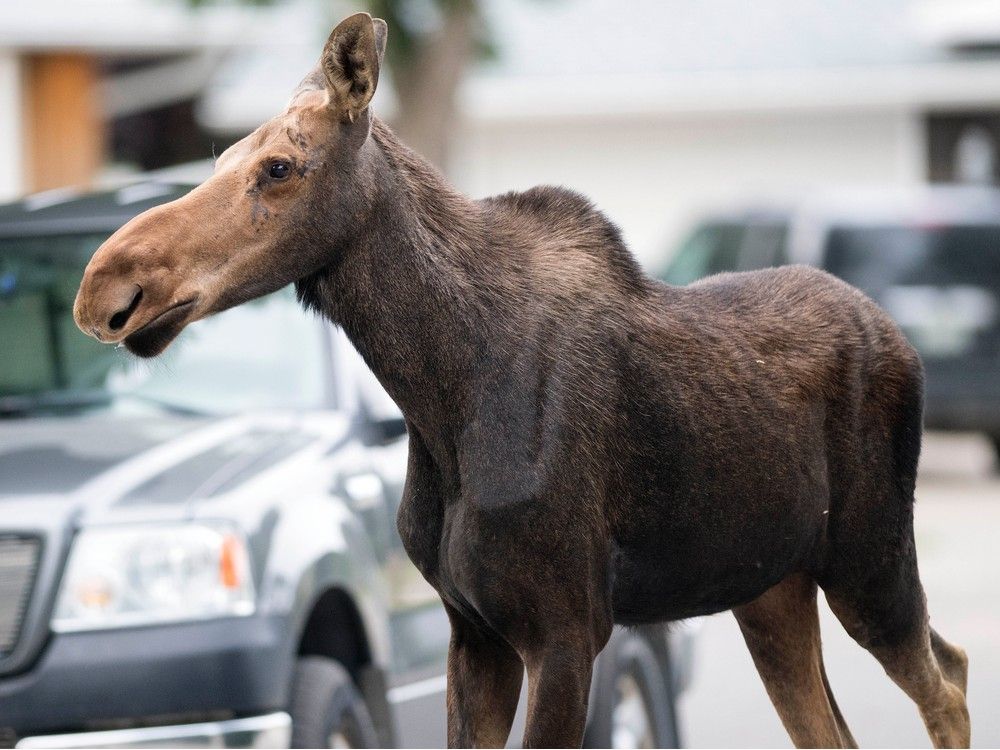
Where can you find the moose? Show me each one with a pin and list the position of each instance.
(587, 446)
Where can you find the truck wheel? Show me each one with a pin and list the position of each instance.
(632, 703)
(995, 440)
(326, 708)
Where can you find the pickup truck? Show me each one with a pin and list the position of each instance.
(202, 551)
(929, 255)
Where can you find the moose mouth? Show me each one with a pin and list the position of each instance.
(157, 334)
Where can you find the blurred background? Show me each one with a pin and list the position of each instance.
(862, 136)
(655, 109)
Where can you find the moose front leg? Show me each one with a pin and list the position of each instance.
(559, 673)
(558, 689)
(484, 683)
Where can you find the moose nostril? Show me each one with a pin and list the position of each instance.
(121, 317)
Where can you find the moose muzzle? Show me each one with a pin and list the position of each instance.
(137, 288)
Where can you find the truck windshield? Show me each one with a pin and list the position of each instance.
(940, 283)
(266, 354)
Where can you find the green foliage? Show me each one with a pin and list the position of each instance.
(412, 22)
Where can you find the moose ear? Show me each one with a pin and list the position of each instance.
(351, 61)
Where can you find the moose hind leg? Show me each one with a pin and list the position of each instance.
(845, 732)
(869, 572)
(929, 670)
(952, 660)
(781, 629)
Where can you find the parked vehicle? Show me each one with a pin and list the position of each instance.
(929, 256)
(202, 550)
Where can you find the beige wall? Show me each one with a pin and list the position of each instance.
(654, 176)
(64, 130)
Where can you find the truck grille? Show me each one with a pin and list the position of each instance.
(18, 561)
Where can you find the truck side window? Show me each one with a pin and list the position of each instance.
(764, 245)
(711, 248)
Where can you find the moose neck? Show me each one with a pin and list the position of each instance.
(411, 288)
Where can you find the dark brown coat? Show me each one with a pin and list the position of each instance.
(587, 446)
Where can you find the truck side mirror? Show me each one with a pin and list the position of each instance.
(387, 430)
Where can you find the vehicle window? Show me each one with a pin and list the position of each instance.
(264, 354)
(764, 245)
(711, 248)
(367, 394)
(40, 348)
(942, 284)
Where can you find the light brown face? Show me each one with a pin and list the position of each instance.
(239, 234)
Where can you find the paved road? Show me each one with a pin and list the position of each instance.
(958, 541)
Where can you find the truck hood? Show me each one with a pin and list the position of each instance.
(113, 467)
(52, 456)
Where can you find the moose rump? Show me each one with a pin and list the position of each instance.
(748, 441)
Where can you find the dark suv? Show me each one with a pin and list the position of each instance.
(202, 550)
(930, 257)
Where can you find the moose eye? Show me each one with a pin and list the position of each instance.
(279, 170)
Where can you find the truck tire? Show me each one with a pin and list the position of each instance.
(632, 701)
(995, 442)
(326, 708)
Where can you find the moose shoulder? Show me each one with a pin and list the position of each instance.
(587, 446)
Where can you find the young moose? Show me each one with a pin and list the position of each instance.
(587, 446)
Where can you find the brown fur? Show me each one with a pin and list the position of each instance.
(587, 446)
(781, 629)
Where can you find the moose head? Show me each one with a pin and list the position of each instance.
(250, 228)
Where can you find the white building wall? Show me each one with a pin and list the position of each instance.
(11, 128)
(654, 176)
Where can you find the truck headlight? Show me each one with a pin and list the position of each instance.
(120, 576)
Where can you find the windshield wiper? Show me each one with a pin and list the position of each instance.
(170, 406)
(22, 405)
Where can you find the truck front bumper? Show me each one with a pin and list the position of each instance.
(270, 730)
(137, 678)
